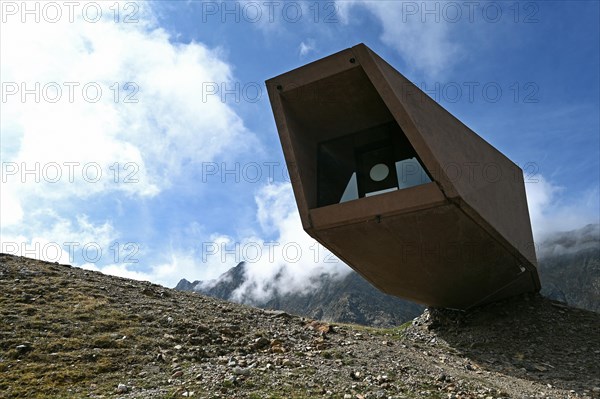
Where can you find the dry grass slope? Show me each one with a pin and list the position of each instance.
(66, 332)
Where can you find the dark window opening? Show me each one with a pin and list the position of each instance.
(370, 162)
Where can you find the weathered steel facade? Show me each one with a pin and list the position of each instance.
(400, 189)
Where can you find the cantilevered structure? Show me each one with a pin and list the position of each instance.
(398, 188)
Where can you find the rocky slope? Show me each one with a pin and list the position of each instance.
(71, 333)
(350, 299)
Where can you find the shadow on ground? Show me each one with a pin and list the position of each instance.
(528, 337)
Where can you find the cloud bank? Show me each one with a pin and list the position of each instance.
(550, 210)
(102, 112)
(279, 251)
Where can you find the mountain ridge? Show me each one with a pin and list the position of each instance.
(347, 299)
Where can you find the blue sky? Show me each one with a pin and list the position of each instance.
(180, 133)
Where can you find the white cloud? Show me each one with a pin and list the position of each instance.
(179, 264)
(427, 46)
(278, 248)
(291, 257)
(53, 238)
(171, 124)
(10, 208)
(125, 270)
(551, 212)
(165, 133)
(97, 247)
(570, 242)
(306, 47)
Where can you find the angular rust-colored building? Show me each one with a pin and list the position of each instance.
(398, 188)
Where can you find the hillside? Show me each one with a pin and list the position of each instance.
(72, 333)
(350, 299)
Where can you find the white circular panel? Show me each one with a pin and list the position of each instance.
(379, 172)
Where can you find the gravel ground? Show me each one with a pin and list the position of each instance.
(68, 332)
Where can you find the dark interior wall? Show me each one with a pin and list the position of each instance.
(335, 106)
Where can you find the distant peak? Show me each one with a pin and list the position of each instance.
(185, 285)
